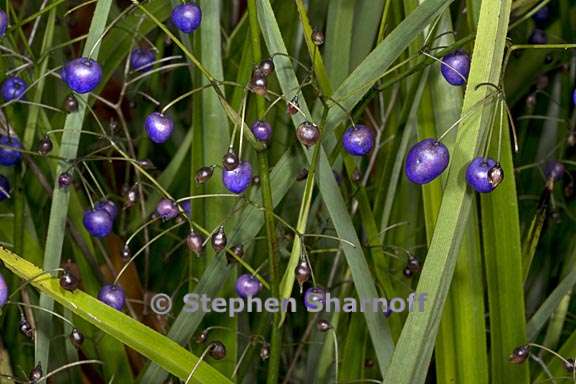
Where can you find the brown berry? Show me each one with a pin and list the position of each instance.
(217, 350)
(308, 133)
(219, 240)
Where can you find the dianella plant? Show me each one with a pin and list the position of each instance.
(287, 191)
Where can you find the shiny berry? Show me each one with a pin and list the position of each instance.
(308, 133)
(313, 297)
(71, 104)
(455, 67)
(266, 67)
(141, 58)
(187, 17)
(13, 88)
(76, 338)
(217, 350)
(3, 291)
(218, 239)
(317, 37)
(3, 23)
(166, 209)
(554, 170)
(538, 36)
(9, 156)
(158, 127)
(238, 251)
(113, 296)
(293, 106)
(64, 180)
(186, 206)
(258, 85)
(238, 179)
(98, 222)
(4, 188)
(126, 253)
(542, 16)
(82, 75)
(45, 145)
(69, 281)
(302, 272)
(358, 140)
(408, 272)
(477, 174)
(195, 242)
(495, 175)
(109, 206)
(25, 327)
(36, 374)
(570, 365)
(262, 130)
(323, 325)
(247, 286)
(265, 351)
(202, 337)
(230, 161)
(204, 174)
(413, 264)
(426, 160)
(520, 354)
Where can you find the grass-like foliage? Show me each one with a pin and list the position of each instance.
(164, 164)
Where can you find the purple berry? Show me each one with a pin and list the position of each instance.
(187, 17)
(574, 96)
(358, 140)
(13, 88)
(478, 174)
(314, 296)
(109, 206)
(64, 180)
(3, 23)
(455, 67)
(542, 16)
(9, 156)
(186, 206)
(158, 127)
(140, 59)
(262, 130)
(82, 75)
(4, 188)
(247, 286)
(538, 36)
(3, 291)
(238, 179)
(554, 170)
(166, 209)
(98, 222)
(112, 295)
(426, 160)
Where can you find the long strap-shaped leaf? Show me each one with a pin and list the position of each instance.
(414, 349)
(61, 197)
(329, 189)
(158, 348)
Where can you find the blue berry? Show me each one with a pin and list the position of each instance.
(554, 170)
(479, 174)
(187, 17)
(82, 75)
(542, 16)
(13, 88)
(98, 222)
(358, 140)
(426, 160)
(3, 23)
(456, 67)
(113, 296)
(140, 59)
(109, 206)
(158, 127)
(262, 130)
(186, 207)
(247, 286)
(3, 291)
(538, 36)
(9, 156)
(238, 179)
(166, 209)
(4, 188)
(313, 297)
